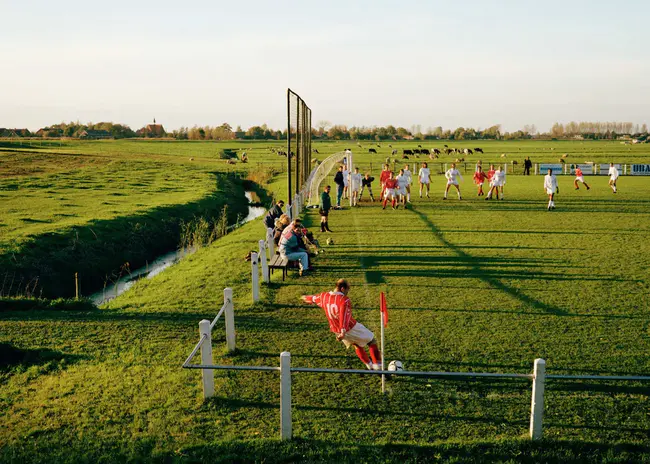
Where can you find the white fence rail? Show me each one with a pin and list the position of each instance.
(538, 378)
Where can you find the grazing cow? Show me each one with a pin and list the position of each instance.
(419, 146)
(467, 151)
(566, 155)
(394, 152)
(425, 151)
(390, 146)
(416, 150)
(433, 156)
(282, 153)
(405, 157)
(372, 150)
(378, 146)
(407, 152)
(314, 150)
(503, 155)
(562, 161)
(478, 150)
(436, 151)
(514, 162)
(448, 151)
(446, 146)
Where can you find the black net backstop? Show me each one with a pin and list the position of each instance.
(298, 143)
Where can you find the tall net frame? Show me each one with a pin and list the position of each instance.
(298, 145)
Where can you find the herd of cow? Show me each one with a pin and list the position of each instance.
(434, 152)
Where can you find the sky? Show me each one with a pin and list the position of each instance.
(365, 63)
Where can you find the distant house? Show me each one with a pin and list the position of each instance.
(14, 132)
(95, 134)
(152, 130)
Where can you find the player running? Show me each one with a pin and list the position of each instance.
(424, 177)
(390, 187)
(402, 186)
(452, 176)
(338, 310)
(579, 178)
(551, 188)
(479, 178)
(409, 176)
(613, 175)
(498, 178)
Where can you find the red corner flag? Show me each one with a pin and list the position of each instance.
(383, 308)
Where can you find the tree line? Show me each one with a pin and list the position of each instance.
(327, 131)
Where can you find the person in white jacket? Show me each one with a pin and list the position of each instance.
(355, 186)
(551, 188)
(452, 176)
(613, 175)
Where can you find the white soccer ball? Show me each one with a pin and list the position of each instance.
(330, 241)
(395, 366)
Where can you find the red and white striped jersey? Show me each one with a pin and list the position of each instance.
(338, 309)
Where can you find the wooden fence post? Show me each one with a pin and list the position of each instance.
(230, 319)
(537, 404)
(265, 266)
(206, 358)
(255, 277)
(285, 396)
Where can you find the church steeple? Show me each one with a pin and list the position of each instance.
(154, 120)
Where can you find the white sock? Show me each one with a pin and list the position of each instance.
(408, 197)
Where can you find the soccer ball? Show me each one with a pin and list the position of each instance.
(395, 366)
(330, 241)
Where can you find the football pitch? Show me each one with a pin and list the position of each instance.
(471, 286)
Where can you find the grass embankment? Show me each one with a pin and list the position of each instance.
(471, 286)
(91, 215)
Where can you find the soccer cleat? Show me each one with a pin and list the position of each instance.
(577, 188)
(376, 367)
(588, 188)
(369, 366)
(444, 198)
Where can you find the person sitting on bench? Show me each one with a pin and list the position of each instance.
(280, 224)
(290, 246)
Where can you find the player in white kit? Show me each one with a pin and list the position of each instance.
(402, 185)
(424, 177)
(355, 186)
(551, 188)
(613, 175)
(452, 176)
(346, 181)
(409, 176)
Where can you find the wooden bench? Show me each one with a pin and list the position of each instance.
(278, 262)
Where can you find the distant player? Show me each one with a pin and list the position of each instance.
(338, 310)
(390, 191)
(366, 182)
(402, 185)
(355, 186)
(424, 178)
(551, 188)
(409, 176)
(383, 177)
(346, 181)
(479, 179)
(498, 177)
(452, 176)
(613, 175)
(579, 178)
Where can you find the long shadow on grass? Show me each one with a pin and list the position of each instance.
(13, 358)
(478, 272)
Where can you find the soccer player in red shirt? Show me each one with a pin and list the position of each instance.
(479, 178)
(338, 309)
(390, 187)
(383, 177)
(490, 173)
(580, 178)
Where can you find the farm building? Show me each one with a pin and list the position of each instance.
(95, 134)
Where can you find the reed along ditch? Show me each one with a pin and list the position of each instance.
(102, 252)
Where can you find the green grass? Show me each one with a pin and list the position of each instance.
(471, 286)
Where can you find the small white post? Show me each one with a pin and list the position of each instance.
(265, 266)
(537, 404)
(255, 277)
(285, 395)
(230, 319)
(625, 169)
(270, 244)
(206, 358)
(536, 169)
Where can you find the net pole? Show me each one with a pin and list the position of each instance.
(289, 150)
(381, 324)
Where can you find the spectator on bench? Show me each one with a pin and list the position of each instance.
(280, 225)
(290, 246)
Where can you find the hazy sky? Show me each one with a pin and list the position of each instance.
(448, 63)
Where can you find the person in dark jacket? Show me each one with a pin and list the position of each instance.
(273, 214)
(366, 182)
(527, 165)
(325, 206)
(340, 185)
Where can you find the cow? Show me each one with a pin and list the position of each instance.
(425, 151)
(446, 146)
(448, 151)
(436, 151)
(405, 157)
(416, 150)
(315, 150)
(406, 151)
(372, 150)
(394, 152)
(478, 150)
(467, 151)
(419, 146)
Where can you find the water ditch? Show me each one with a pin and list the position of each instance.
(165, 260)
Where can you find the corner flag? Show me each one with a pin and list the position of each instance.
(383, 308)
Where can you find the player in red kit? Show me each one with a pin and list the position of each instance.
(390, 190)
(383, 177)
(479, 178)
(338, 309)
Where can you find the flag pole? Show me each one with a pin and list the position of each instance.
(381, 324)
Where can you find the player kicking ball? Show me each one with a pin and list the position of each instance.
(579, 178)
(338, 310)
(551, 188)
(452, 176)
(390, 187)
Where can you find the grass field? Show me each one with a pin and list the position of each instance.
(471, 286)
